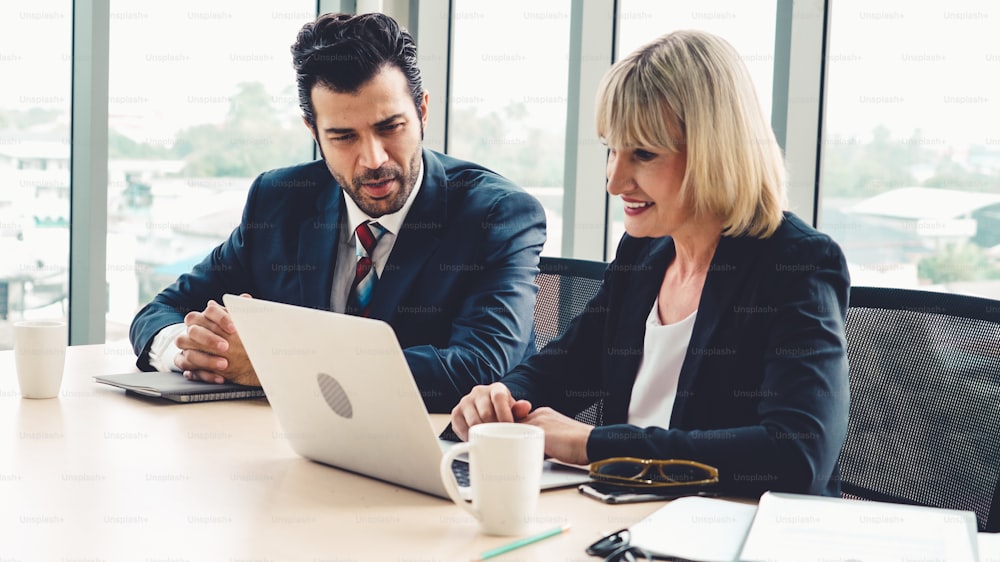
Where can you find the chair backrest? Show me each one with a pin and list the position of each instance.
(565, 286)
(924, 423)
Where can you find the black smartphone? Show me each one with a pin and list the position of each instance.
(615, 494)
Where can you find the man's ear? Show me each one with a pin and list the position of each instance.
(424, 102)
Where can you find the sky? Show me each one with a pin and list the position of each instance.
(932, 66)
(491, 70)
(172, 64)
(929, 66)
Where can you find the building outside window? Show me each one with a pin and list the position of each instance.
(191, 122)
(508, 95)
(34, 161)
(911, 152)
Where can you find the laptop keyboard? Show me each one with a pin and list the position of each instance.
(461, 471)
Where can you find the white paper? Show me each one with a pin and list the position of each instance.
(704, 529)
(799, 528)
(989, 547)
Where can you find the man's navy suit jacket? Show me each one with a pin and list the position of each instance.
(458, 288)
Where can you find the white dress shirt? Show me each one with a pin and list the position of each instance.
(663, 351)
(347, 257)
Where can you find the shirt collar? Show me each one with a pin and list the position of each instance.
(391, 222)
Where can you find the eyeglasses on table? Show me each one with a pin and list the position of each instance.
(631, 471)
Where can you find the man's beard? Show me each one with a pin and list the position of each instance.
(389, 171)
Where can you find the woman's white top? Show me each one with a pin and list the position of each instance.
(663, 352)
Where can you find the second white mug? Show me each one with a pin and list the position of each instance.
(40, 354)
(505, 471)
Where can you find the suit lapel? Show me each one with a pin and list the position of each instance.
(318, 236)
(642, 286)
(730, 265)
(418, 238)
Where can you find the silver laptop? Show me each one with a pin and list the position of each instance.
(344, 396)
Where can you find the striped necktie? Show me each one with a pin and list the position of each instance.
(365, 277)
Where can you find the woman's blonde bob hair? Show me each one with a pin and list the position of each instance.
(690, 90)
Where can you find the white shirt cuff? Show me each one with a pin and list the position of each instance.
(164, 348)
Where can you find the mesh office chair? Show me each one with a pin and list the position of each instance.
(924, 423)
(565, 286)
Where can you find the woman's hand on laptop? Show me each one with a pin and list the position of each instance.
(565, 437)
(487, 403)
(211, 350)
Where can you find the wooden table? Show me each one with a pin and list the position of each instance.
(100, 475)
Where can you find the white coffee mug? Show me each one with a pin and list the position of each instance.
(40, 354)
(505, 472)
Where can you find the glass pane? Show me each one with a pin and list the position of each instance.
(191, 123)
(911, 151)
(508, 95)
(34, 161)
(748, 26)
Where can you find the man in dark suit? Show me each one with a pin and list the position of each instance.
(443, 250)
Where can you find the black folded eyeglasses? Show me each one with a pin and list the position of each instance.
(616, 547)
(631, 471)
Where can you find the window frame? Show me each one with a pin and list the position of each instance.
(797, 117)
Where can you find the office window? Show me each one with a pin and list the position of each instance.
(910, 182)
(748, 26)
(201, 99)
(508, 86)
(34, 161)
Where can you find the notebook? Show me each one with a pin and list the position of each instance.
(695, 528)
(344, 395)
(800, 528)
(173, 386)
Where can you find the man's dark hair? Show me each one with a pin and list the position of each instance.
(343, 52)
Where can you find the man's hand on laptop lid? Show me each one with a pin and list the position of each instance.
(211, 350)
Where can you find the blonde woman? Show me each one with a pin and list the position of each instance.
(718, 333)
